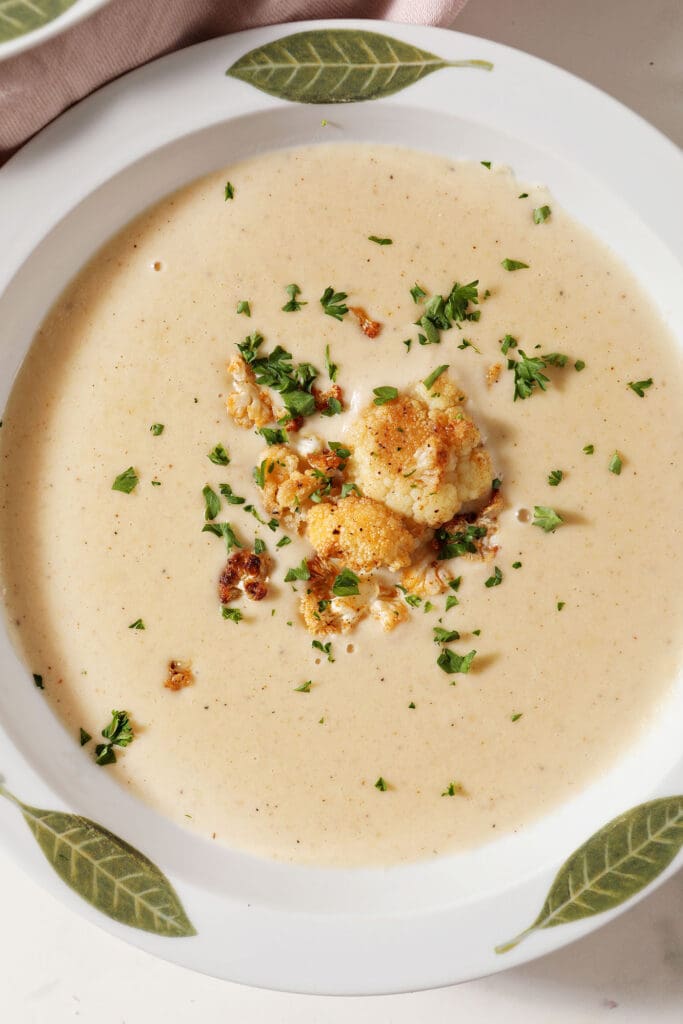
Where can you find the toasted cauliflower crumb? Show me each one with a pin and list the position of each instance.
(361, 533)
(179, 676)
(493, 374)
(389, 608)
(245, 572)
(248, 404)
(325, 613)
(427, 578)
(420, 454)
(371, 328)
(290, 478)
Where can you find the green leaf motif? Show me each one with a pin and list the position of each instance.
(339, 66)
(107, 872)
(613, 865)
(17, 17)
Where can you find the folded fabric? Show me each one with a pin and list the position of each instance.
(39, 84)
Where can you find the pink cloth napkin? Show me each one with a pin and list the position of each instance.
(37, 85)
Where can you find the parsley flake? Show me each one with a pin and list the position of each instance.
(300, 572)
(486, 164)
(324, 648)
(350, 489)
(516, 717)
(225, 531)
(547, 518)
(453, 663)
(212, 502)
(541, 213)
(381, 785)
(84, 736)
(496, 579)
(579, 365)
(333, 303)
(126, 481)
(507, 264)
(38, 680)
(445, 636)
(330, 367)
(229, 191)
(516, 565)
(640, 386)
(588, 449)
(380, 241)
(417, 293)
(434, 376)
(615, 464)
(560, 605)
(555, 477)
(385, 394)
(219, 456)
(259, 546)
(453, 789)
(157, 429)
(294, 305)
(231, 498)
(305, 687)
(244, 307)
(346, 584)
(119, 731)
(138, 624)
(283, 542)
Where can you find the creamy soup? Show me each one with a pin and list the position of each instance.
(385, 757)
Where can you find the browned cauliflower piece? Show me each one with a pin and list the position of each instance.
(248, 405)
(421, 454)
(361, 533)
(389, 608)
(289, 480)
(245, 573)
(322, 611)
(426, 577)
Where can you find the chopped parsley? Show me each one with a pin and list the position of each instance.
(283, 542)
(462, 542)
(496, 484)
(453, 789)
(274, 436)
(333, 303)
(547, 518)
(445, 636)
(615, 464)
(212, 502)
(259, 473)
(451, 602)
(300, 572)
(555, 477)
(138, 624)
(414, 600)
(229, 190)
(339, 449)
(516, 565)
(333, 407)
(541, 213)
(259, 546)
(453, 663)
(119, 730)
(417, 292)
(277, 371)
(507, 343)
(516, 717)
(244, 307)
(225, 531)
(496, 579)
(528, 374)
(555, 359)
(350, 489)
(579, 365)
(523, 195)
(454, 584)
(346, 584)
(324, 648)
(231, 498)
(384, 394)
(38, 680)
(507, 264)
(126, 481)
(157, 429)
(155, 483)
(105, 754)
(640, 386)
(330, 367)
(588, 449)
(293, 305)
(434, 376)
(560, 605)
(272, 524)
(234, 614)
(469, 344)
(305, 687)
(84, 736)
(486, 164)
(381, 785)
(219, 456)
(440, 314)
(380, 241)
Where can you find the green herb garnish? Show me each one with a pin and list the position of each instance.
(350, 489)
(229, 191)
(445, 636)
(528, 374)
(299, 572)
(330, 367)
(507, 264)
(324, 648)
(541, 213)
(244, 307)
(496, 579)
(157, 429)
(138, 624)
(380, 241)
(486, 164)
(259, 546)
(219, 456)
(560, 605)
(453, 663)
(555, 477)
(119, 731)
(417, 292)
(453, 789)
(212, 502)
(462, 542)
(516, 565)
(84, 736)
(384, 394)
(381, 785)
(547, 518)
(230, 497)
(283, 542)
(38, 680)
(640, 386)
(346, 584)
(126, 481)
(225, 531)
(579, 365)
(433, 377)
(615, 464)
(333, 303)
(234, 614)
(516, 717)
(294, 305)
(305, 687)
(588, 449)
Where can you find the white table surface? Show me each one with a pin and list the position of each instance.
(57, 968)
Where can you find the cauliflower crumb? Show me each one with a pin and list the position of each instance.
(325, 613)
(493, 374)
(368, 326)
(244, 573)
(427, 578)
(248, 405)
(361, 533)
(290, 478)
(389, 608)
(179, 675)
(421, 454)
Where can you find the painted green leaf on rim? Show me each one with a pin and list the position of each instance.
(17, 17)
(339, 66)
(613, 865)
(107, 872)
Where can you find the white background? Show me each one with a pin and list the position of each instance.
(57, 968)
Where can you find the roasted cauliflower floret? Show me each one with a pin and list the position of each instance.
(324, 612)
(361, 533)
(290, 478)
(248, 405)
(426, 577)
(389, 608)
(420, 454)
(245, 573)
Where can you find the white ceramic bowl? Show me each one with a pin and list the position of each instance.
(259, 922)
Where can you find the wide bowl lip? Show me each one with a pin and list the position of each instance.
(78, 11)
(56, 141)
